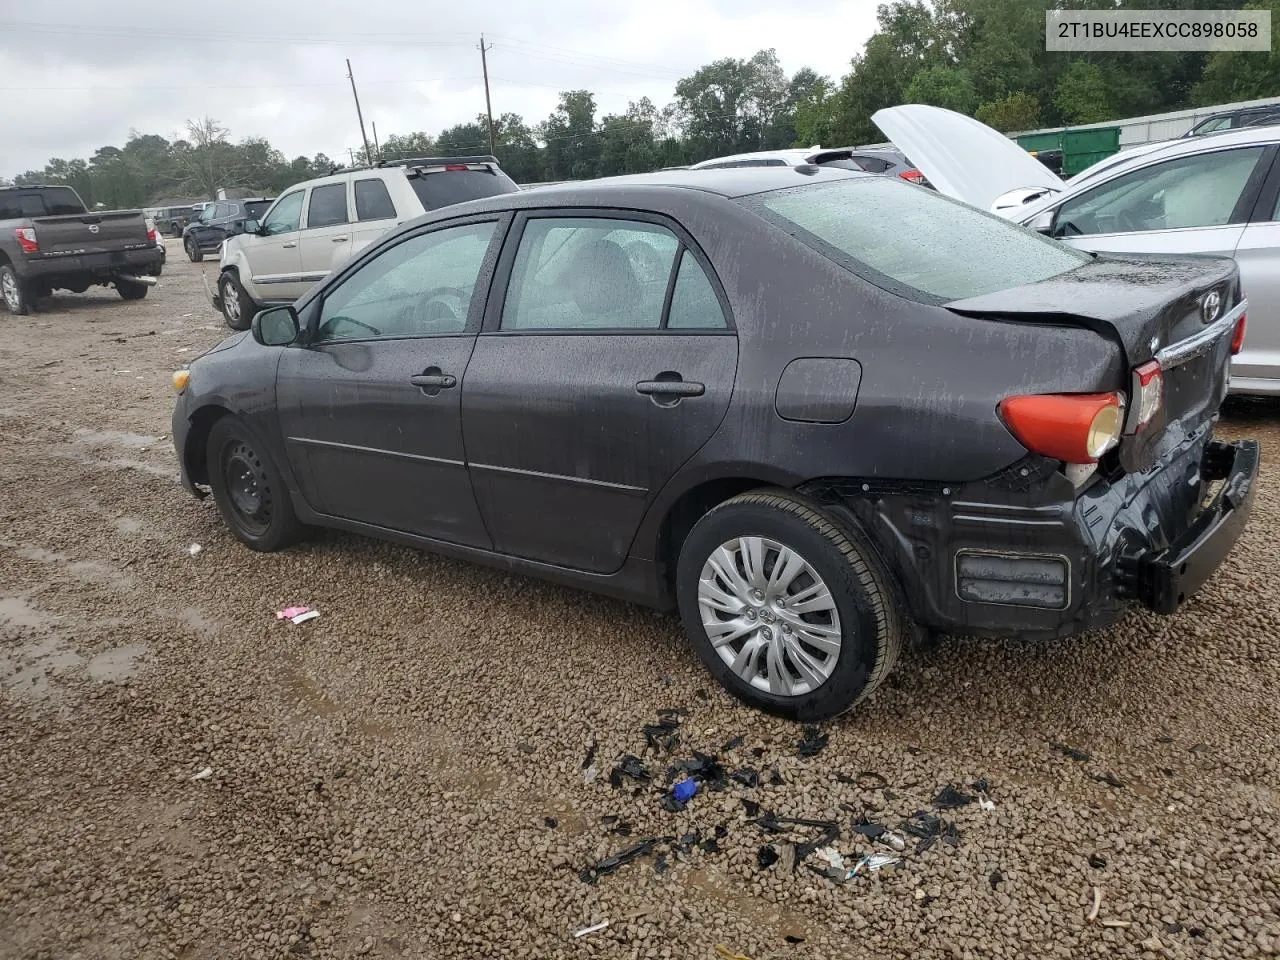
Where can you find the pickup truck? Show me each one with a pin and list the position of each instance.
(50, 241)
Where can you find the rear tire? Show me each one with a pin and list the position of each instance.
(194, 253)
(130, 290)
(249, 489)
(782, 647)
(238, 307)
(15, 292)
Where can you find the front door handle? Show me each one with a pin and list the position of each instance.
(291, 244)
(432, 380)
(670, 388)
(341, 239)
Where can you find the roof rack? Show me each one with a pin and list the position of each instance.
(411, 162)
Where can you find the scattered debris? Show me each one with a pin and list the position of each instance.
(628, 766)
(1110, 779)
(1097, 861)
(813, 743)
(724, 953)
(751, 807)
(1092, 915)
(1071, 752)
(1173, 928)
(995, 879)
(592, 929)
(748, 776)
(766, 856)
(787, 857)
(981, 787)
(793, 939)
(987, 805)
(194, 549)
(660, 863)
(1117, 924)
(204, 774)
(550, 822)
(874, 864)
(704, 768)
(684, 791)
(929, 829)
(836, 869)
(775, 778)
(590, 874)
(757, 752)
(665, 734)
(949, 798)
(297, 614)
(733, 743)
(591, 755)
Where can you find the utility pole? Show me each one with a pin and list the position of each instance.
(488, 108)
(376, 149)
(352, 154)
(360, 116)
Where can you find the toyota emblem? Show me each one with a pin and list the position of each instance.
(93, 228)
(1210, 307)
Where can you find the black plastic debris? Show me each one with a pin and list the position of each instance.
(981, 786)
(757, 752)
(1173, 928)
(792, 939)
(872, 831)
(751, 807)
(951, 835)
(995, 879)
(629, 766)
(609, 818)
(593, 872)
(690, 840)
(702, 767)
(949, 798)
(766, 856)
(929, 829)
(1097, 861)
(591, 756)
(1197, 932)
(673, 712)
(775, 778)
(660, 863)
(1071, 752)
(813, 742)
(721, 831)
(748, 776)
(1110, 779)
(733, 743)
(702, 694)
(710, 845)
(770, 823)
(550, 822)
(525, 748)
(663, 735)
(623, 829)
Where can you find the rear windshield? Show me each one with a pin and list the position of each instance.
(446, 187)
(914, 241)
(47, 202)
(254, 209)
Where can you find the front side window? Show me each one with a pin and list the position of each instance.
(285, 216)
(420, 287)
(372, 200)
(328, 205)
(916, 242)
(1196, 191)
(574, 273)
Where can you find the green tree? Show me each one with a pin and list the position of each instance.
(419, 144)
(732, 106)
(815, 116)
(572, 138)
(1083, 95)
(948, 87)
(1231, 76)
(627, 143)
(1018, 111)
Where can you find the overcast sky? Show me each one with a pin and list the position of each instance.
(79, 74)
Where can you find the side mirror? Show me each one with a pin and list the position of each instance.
(276, 327)
(250, 226)
(1043, 222)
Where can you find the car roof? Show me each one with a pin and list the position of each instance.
(793, 155)
(729, 182)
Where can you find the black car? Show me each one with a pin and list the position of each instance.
(220, 220)
(1236, 119)
(814, 410)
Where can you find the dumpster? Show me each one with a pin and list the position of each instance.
(1079, 148)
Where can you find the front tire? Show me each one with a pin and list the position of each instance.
(194, 253)
(238, 307)
(130, 290)
(791, 613)
(14, 291)
(249, 489)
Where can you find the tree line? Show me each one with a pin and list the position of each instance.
(985, 58)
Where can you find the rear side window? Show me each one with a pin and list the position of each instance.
(447, 187)
(254, 209)
(694, 305)
(372, 200)
(328, 205)
(872, 164)
(915, 242)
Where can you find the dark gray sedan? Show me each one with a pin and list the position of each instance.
(816, 411)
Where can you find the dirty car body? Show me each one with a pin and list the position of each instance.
(838, 379)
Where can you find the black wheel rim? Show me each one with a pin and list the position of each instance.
(248, 490)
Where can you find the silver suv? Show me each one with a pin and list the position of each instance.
(315, 226)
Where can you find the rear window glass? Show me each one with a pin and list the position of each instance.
(446, 187)
(51, 202)
(915, 241)
(254, 209)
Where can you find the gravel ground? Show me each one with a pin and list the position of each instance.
(404, 776)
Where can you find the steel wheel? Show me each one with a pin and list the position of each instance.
(770, 616)
(248, 488)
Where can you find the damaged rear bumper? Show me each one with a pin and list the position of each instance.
(1024, 554)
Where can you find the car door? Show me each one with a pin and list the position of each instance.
(374, 208)
(1258, 256)
(210, 229)
(607, 363)
(325, 238)
(273, 254)
(370, 406)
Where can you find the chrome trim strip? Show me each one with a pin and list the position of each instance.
(395, 454)
(1176, 354)
(620, 487)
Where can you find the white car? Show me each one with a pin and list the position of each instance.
(1216, 194)
(867, 160)
(316, 226)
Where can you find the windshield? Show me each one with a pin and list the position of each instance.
(914, 241)
(446, 187)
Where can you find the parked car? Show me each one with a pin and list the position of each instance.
(841, 409)
(221, 220)
(171, 221)
(1235, 119)
(49, 241)
(1217, 195)
(316, 226)
(870, 160)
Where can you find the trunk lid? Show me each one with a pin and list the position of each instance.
(1153, 308)
(963, 158)
(83, 234)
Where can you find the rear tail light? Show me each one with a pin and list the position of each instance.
(1237, 335)
(1073, 427)
(1148, 393)
(26, 237)
(915, 176)
(151, 231)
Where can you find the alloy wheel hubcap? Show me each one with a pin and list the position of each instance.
(230, 302)
(769, 616)
(10, 291)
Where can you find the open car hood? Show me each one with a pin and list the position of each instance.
(966, 159)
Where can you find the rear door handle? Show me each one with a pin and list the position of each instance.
(341, 239)
(432, 380)
(670, 388)
(291, 244)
